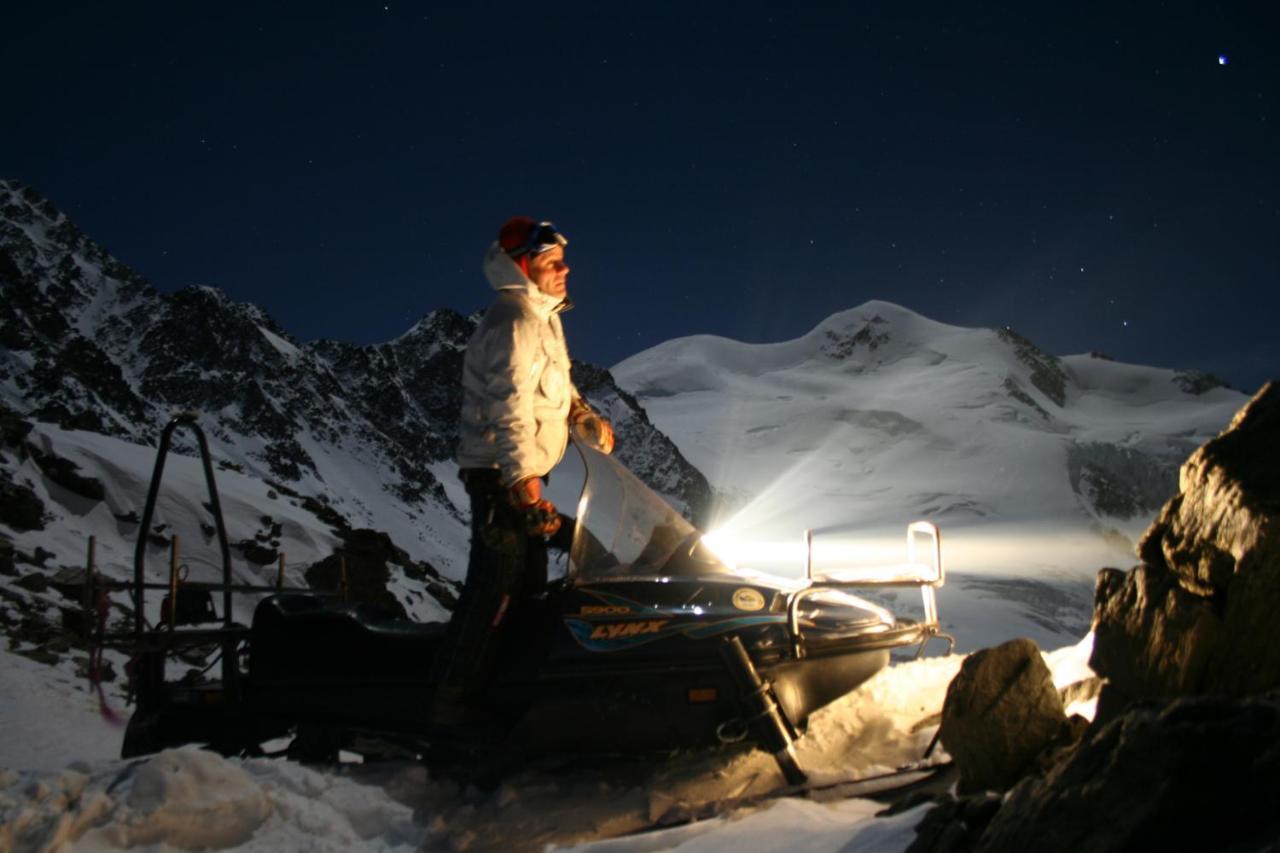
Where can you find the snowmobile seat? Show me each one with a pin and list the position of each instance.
(306, 638)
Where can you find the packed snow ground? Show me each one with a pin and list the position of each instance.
(60, 791)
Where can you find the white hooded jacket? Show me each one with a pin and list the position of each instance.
(516, 390)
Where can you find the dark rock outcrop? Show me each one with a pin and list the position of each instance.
(13, 429)
(1199, 615)
(67, 474)
(1122, 482)
(360, 576)
(842, 344)
(363, 568)
(257, 553)
(20, 507)
(1151, 636)
(1047, 374)
(1191, 774)
(8, 566)
(1014, 390)
(955, 825)
(1197, 382)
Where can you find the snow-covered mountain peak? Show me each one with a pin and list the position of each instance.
(879, 416)
(877, 336)
(879, 315)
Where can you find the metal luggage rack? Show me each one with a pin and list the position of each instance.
(927, 576)
(174, 631)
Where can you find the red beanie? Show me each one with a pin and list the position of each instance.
(522, 238)
(515, 233)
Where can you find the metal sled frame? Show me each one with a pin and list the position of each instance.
(929, 626)
(152, 645)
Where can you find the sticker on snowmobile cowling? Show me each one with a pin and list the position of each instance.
(614, 630)
(596, 636)
(748, 599)
(617, 636)
(603, 610)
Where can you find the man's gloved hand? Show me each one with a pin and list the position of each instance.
(590, 427)
(540, 516)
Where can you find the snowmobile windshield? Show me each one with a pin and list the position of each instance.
(625, 530)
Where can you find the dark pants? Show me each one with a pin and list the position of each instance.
(506, 567)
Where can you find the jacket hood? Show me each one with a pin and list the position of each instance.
(503, 274)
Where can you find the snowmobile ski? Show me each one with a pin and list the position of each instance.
(893, 789)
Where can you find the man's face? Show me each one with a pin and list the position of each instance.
(549, 272)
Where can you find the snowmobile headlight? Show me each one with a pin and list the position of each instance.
(723, 546)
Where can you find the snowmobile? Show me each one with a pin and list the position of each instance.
(649, 643)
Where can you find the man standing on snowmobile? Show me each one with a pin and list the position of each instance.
(518, 406)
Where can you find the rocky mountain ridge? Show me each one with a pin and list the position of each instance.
(365, 432)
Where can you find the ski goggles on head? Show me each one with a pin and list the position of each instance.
(542, 237)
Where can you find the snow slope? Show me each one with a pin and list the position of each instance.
(252, 511)
(1038, 470)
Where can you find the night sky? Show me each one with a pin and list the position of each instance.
(1097, 178)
